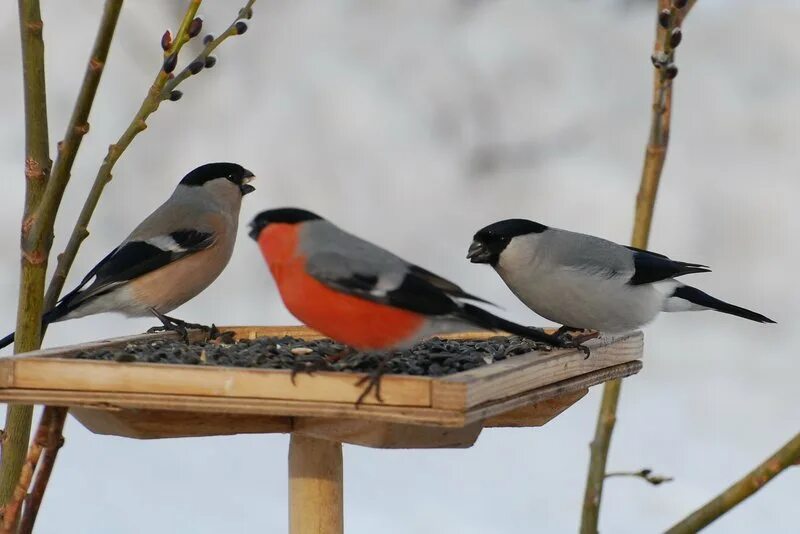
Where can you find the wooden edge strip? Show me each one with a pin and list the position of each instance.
(565, 387)
(214, 381)
(525, 372)
(193, 403)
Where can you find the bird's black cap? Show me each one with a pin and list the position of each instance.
(211, 171)
(280, 215)
(490, 241)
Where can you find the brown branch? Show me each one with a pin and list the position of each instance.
(668, 35)
(156, 94)
(51, 417)
(33, 265)
(756, 479)
(54, 441)
(137, 125)
(645, 474)
(41, 234)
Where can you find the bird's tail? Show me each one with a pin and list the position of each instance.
(489, 321)
(8, 340)
(690, 298)
(59, 311)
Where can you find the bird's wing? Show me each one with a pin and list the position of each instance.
(135, 258)
(411, 288)
(651, 267)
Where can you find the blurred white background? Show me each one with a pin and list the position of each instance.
(414, 124)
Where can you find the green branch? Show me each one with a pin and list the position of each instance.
(668, 35)
(163, 86)
(756, 479)
(78, 126)
(33, 263)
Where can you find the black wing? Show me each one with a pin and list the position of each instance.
(445, 285)
(131, 260)
(411, 288)
(651, 267)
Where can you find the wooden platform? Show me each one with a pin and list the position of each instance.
(144, 400)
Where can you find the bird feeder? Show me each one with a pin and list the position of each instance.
(148, 401)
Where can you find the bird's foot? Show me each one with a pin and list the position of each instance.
(309, 364)
(173, 324)
(576, 337)
(218, 337)
(373, 381)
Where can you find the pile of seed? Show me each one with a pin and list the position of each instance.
(433, 357)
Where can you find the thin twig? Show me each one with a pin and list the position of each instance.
(12, 509)
(756, 479)
(663, 57)
(645, 474)
(53, 444)
(45, 215)
(150, 104)
(33, 264)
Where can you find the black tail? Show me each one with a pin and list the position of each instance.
(484, 319)
(61, 309)
(700, 298)
(8, 340)
(690, 268)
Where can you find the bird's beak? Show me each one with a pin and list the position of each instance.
(246, 188)
(478, 253)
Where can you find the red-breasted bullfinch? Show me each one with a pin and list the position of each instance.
(173, 255)
(360, 294)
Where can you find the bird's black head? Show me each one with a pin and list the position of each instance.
(489, 242)
(237, 174)
(280, 215)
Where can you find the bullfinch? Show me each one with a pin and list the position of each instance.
(360, 294)
(172, 256)
(585, 282)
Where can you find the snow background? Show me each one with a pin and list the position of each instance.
(414, 124)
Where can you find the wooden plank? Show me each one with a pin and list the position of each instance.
(383, 435)
(552, 391)
(280, 407)
(409, 415)
(536, 414)
(529, 371)
(90, 375)
(154, 424)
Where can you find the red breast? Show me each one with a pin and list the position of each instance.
(357, 322)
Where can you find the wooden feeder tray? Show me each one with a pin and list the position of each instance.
(149, 400)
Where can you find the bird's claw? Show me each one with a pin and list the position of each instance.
(309, 366)
(373, 381)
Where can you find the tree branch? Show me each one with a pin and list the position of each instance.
(48, 440)
(54, 441)
(668, 35)
(158, 92)
(756, 479)
(645, 474)
(33, 265)
(78, 126)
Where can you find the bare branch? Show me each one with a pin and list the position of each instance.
(669, 19)
(54, 440)
(756, 479)
(44, 218)
(645, 474)
(156, 94)
(33, 263)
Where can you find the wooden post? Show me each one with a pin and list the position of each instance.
(315, 486)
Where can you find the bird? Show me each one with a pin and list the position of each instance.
(584, 282)
(171, 257)
(362, 295)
